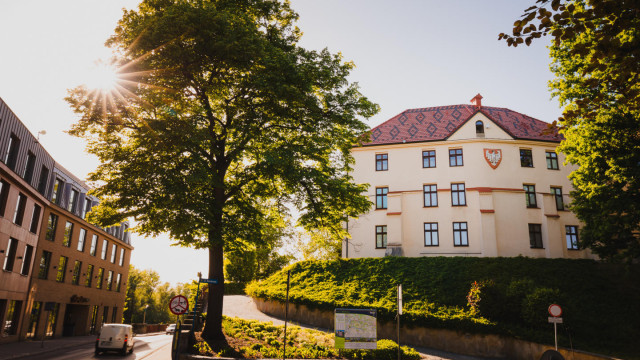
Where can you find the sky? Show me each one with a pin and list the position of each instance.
(407, 53)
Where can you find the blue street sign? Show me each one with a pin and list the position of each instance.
(209, 281)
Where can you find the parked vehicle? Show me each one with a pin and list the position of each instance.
(171, 329)
(115, 337)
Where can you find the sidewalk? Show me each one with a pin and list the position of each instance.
(29, 348)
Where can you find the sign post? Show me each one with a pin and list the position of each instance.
(286, 314)
(399, 313)
(555, 311)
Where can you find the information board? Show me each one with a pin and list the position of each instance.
(355, 329)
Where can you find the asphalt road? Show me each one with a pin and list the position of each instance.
(154, 347)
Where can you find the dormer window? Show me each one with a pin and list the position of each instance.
(479, 128)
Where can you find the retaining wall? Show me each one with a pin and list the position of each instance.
(492, 346)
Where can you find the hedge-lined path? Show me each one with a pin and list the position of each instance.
(243, 307)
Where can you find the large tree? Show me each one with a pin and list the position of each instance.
(596, 59)
(220, 122)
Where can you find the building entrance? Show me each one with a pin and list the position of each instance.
(75, 320)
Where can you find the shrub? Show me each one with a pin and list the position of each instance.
(386, 350)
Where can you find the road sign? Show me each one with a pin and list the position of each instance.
(556, 320)
(178, 305)
(555, 310)
(209, 281)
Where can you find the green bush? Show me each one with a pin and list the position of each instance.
(599, 300)
(386, 350)
(234, 288)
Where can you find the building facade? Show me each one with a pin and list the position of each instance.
(464, 180)
(61, 275)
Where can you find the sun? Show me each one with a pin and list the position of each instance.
(102, 77)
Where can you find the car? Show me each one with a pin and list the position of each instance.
(115, 337)
(171, 329)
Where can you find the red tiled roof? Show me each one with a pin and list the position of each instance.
(438, 123)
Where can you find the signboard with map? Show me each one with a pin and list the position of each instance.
(355, 329)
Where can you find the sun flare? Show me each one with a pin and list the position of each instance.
(102, 77)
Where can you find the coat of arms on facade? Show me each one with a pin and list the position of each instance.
(493, 157)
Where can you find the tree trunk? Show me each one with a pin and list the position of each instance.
(212, 331)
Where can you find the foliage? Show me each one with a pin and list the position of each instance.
(595, 57)
(144, 288)
(515, 295)
(252, 339)
(319, 244)
(219, 121)
(473, 297)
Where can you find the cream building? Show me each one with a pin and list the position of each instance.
(464, 180)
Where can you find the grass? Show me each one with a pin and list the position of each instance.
(252, 339)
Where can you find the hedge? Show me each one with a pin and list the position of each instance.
(600, 301)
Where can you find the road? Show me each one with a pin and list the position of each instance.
(151, 347)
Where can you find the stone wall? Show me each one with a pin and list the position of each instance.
(493, 346)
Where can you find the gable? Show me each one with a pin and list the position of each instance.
(491, 130)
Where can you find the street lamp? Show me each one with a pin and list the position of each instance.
(144, 318)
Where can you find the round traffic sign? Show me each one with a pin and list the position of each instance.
(555, 310)
(179, 305)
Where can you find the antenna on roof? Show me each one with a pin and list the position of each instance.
(41, 132)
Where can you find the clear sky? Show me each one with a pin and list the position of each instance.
(408, 54)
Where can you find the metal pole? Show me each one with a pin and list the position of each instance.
(195, 306)
(398, 316)
(286, 314)
(555, 333)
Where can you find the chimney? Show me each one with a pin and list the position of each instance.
(477, 101)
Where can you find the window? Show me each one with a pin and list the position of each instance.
(10, 256)
(455, 157)
(12, 152)
(113, 315)
(121, 257)
(526, 158)
(381, 236)
(430, 234)
(429, 159)
(479, 128)
(45, 261)
(26, 260)
(51, 227)
(381, 197)
(53, 320)
(81, 239)
(552, 160)
(77, 266)
(535, 236)
(34, 318)
(572, 237)
(4, 195)
(18, 215)
(58, 187)
(105, 245)
(94, 319)
(430, 195)
(118, 281)
(73, 201)
(109, 280)
(530, 195)
(114, 250)
(382, 162)
(10, 326)
(458, 197)
(68, 232)
(28, 167)
(62, 268)
(86, 208)
(94, 245)
(35, 219)
(460, 235)
(105, 312)
(557, 194)
(44, 178)
(100, 276)
(89, 276)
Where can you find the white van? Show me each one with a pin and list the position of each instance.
(115, 337)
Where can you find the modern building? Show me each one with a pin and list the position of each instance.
(61, 275)
(464, 180)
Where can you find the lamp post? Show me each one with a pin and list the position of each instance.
(144, 318)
